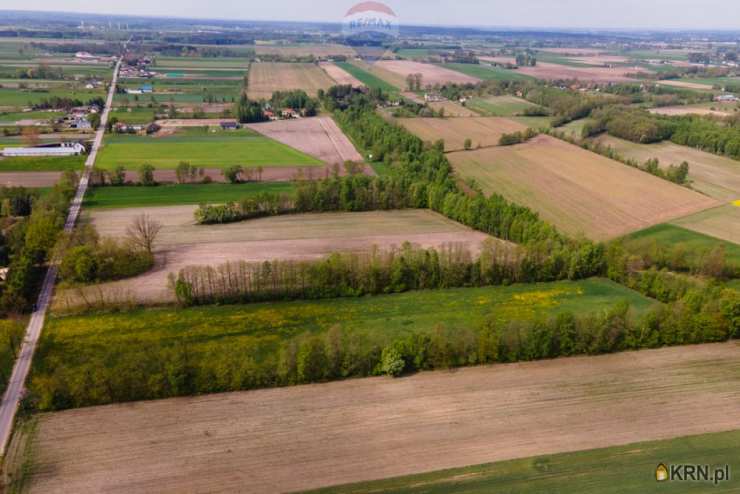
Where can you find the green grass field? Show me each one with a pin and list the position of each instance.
(20, 98)
(200, 148)
(171, 195)
(43, 164)
(626, 469)
(29, 115)
(135, 116)
(380, 318)
(672, 235)
(201, 63)
(486, 73)
(499, 106)
(367, 78)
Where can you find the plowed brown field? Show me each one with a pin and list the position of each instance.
(482, 131)
(183, 243)
(289, 439)
(431, 74)
(317, 136)
(577, 190)
(267, 77)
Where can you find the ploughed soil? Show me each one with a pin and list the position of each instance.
(288, 439)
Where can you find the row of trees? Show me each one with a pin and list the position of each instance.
(678, 174)
(86, 258)
(131, 369)
(35, 237)
(355, 274)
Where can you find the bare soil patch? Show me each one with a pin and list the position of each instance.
(431, 74)
(317, 136)
(453, 109)
(29, 179)
(288, 439)
(552, 71)
(716, 176)
(340, 76)
(686, 85)
(194, 122)
(317, 50)
(722, 222)
(306, 236)
(575, 52)
(578, 191)
(483, 131)
(267, 77)
(687, 110)
(600, 59)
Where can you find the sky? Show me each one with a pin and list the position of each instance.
(613, 14)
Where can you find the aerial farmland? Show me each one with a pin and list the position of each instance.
(353, 256)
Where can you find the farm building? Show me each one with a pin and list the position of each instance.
(63, 149)
(726, 98)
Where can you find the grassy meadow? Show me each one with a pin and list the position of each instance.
(41, 164)
(367, 78)
(671, 235)
(499, 106)
(621, 469)
(172, 195)
(200, 148)
(486, 72)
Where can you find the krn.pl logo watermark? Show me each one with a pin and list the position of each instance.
(685, 472)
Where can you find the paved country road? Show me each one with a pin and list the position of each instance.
(16, 385)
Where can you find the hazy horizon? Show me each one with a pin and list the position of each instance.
(563, 14)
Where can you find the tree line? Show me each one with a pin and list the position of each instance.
(35, 237)
(132, 369)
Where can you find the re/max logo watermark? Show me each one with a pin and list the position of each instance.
(692, 473)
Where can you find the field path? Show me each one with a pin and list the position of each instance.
(288, 439)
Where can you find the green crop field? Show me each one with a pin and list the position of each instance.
(29, 115)
(171, 195)
(200, 148)
(367, 78)
(486, 73)
(42, 164)
(23, 97)
(202, 62)
(74, 339)
(134, 115)
(623, 469)
(499, 106)
(671, 235)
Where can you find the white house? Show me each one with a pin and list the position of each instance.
(65, 149)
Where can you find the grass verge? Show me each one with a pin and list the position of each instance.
(621, 469)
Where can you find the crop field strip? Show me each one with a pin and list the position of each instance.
(431, 74)
(267, 77)
(670, 234)
(616, 470)
(716, 176)
(202, 149)
(309, 236)
(376, 428)
(577, 190)
(720, 222)
(482, 131)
